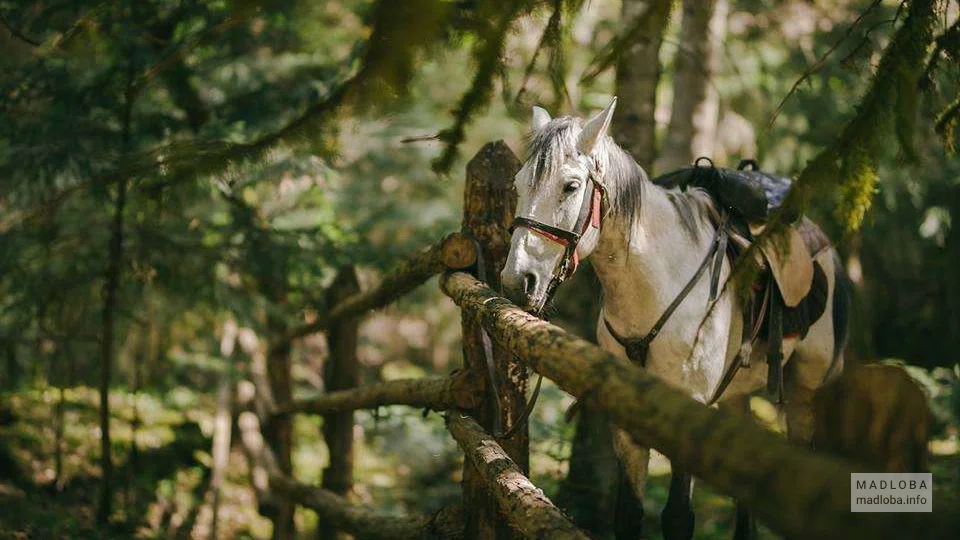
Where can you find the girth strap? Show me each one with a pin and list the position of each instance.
(751, 330)
(638, 348)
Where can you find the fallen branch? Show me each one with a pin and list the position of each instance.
(361, 522)
(437, 393)
(796, 492)
(523, 504)
(405, 277)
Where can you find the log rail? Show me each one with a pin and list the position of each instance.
(795, 491)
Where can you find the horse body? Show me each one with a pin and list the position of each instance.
(648, 247)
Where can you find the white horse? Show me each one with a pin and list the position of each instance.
(581, 195)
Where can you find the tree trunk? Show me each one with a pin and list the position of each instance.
(59, 377)
(341, 372)
(696, 103)
(111, 301)
(489, 203)
(222, 423)
(107, 351)
(221, 447)
(638, 73)
(278, 431)
(953, 284)
(12, 365)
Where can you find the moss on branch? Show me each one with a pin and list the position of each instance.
(521, 503)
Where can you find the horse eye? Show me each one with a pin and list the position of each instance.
(571, 187)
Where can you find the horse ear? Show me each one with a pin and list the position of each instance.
(595, 129)
(540, 118)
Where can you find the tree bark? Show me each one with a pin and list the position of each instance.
(953, 284)
(638, 73)
(796, 492)
(279, 429)
(341, 372)
(436, 393)
(692, 131)
(522, 504)
(489, 203)
(221, 448)
(222, 423)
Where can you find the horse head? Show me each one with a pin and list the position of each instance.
(560, 189)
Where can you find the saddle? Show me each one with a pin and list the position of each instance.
(790, 292)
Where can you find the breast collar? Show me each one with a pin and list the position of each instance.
(590, 216)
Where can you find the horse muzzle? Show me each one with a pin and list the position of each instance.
(523, 288)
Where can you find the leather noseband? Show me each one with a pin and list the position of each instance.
(589, 216)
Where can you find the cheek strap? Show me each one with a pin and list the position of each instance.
(590, 216)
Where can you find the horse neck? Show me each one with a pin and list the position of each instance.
(643, 263)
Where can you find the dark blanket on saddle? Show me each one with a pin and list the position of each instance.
(748, 194)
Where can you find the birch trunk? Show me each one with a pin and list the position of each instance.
(638, 74)
(695, 111)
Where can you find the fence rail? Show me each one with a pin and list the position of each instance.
(434, 393)
(794, 491)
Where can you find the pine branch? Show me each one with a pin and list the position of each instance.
(553, 24)
(489, 54)
(820, 62)
(617, 47)
(946, 125)
(848, 166)
(18, 34)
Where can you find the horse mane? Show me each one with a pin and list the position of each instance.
(625, 181)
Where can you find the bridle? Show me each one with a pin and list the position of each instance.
(590, 215)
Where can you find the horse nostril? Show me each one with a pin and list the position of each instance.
(529, 283)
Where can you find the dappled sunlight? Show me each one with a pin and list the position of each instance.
(271, 235)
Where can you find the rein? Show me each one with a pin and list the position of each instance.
(589, 216)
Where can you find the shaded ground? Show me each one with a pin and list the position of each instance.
(404, 463)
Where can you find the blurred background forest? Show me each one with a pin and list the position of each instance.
(181, 180)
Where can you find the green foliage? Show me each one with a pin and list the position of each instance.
(851, 160)
(271, 143)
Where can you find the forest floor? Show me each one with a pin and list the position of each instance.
(163, 490)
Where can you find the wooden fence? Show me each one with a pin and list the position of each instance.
(794, 491)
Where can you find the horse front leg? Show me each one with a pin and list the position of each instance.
(628, 521)
(677, 518)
